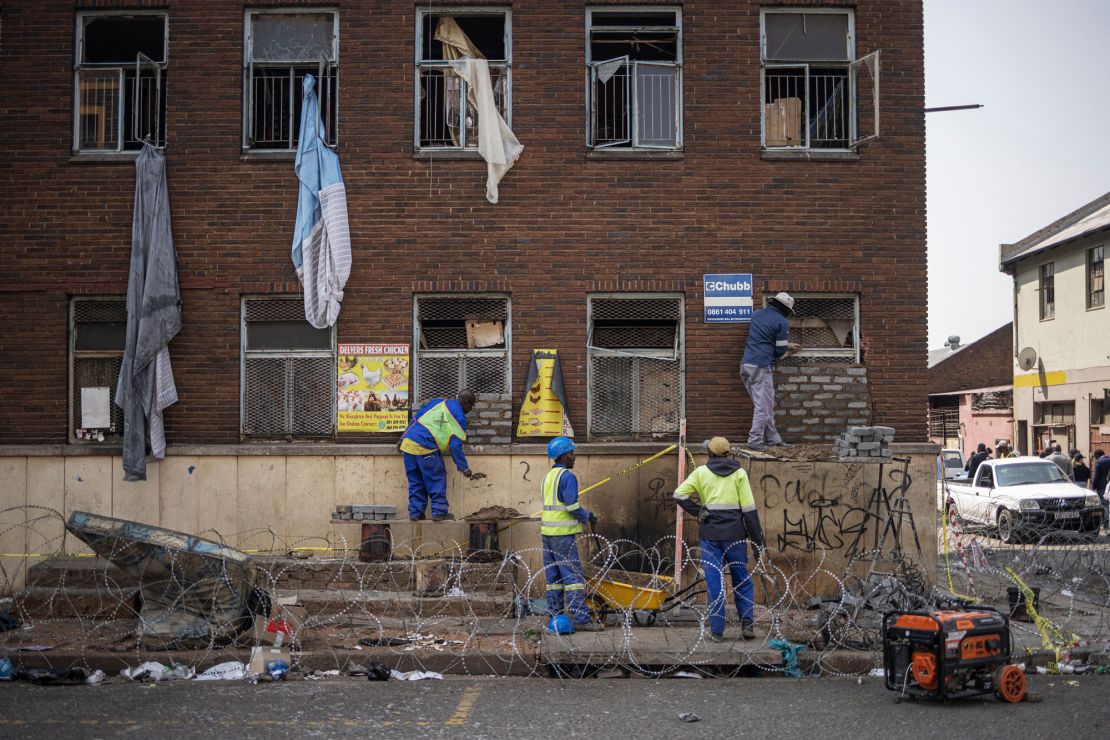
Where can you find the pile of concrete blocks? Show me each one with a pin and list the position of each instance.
(864, 442)
(365, 512)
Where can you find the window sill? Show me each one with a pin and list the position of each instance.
(269, 156)
(425, 155)
(1096, 308)
(602, 155)
(103, 157)
(818, 155)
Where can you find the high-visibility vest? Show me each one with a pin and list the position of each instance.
(557, 519)
(442, 424)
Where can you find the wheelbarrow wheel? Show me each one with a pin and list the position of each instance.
(643, 618)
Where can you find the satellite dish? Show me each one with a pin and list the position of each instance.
(1027, 358)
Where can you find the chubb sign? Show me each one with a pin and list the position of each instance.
(728, 298)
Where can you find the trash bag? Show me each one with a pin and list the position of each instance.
(377, 672)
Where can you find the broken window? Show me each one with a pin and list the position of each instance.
(992, 401)
(634, 90)
(288, 373)
(120, 81)
(816, 94)
(462, 341)
(1047, 290)
(635, 367)
(446, 110)
(97, 334)
(827, 328)
(280, 48)
(1096, 295)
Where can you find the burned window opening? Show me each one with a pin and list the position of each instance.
(460, 341)
(98, 328)
(288, 372)
(447, 115)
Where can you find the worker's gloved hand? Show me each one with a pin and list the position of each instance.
(703, 514)
(593, 519)
(757, 552)
(468, 472)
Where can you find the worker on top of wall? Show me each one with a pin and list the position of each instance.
(438, 427)
(767, 342)
(728, 522)
(561, 522)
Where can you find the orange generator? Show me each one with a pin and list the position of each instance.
(950, 654)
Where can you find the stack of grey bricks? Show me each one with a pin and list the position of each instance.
(813, 403)
(864, 442)
(490, 422)
(365, 512)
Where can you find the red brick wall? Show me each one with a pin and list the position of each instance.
(985, 363)
(566, 225)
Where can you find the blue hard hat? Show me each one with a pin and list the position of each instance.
(560, 624)
(560, 446)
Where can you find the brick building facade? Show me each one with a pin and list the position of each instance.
(573, 221)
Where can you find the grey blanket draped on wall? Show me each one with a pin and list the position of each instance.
(146, 384)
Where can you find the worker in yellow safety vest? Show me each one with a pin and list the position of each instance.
(560, 524)
(728, 522)
(437, 428)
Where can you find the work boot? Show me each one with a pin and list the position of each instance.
(589, 627)
(443, 517)
(416, 518)
(780, 443)
(747, 630)
(716, 637)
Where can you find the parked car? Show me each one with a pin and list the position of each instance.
(1024, 496)
(953, 463)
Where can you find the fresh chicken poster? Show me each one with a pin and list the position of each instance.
(373, 387)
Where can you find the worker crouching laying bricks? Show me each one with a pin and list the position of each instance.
(438, 428)
(728, 520)
(560, 524)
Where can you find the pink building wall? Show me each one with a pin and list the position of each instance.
(983, 426)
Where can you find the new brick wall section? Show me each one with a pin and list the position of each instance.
(566, 222)
(491, 419)
(814, 403)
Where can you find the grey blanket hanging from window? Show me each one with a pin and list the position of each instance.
(146, 385)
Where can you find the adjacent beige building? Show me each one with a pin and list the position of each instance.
(1062, 332)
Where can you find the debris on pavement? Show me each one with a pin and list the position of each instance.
(152, 671)
(685, 674)
(415, 675)
(97, 677)
(6, 669)
(320, 675)
(790, 651)
(378, 672)
(689, 717)
(232, 670)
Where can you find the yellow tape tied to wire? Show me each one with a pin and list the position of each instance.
(1046, 627)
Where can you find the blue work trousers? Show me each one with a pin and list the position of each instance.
(716, 555)
(427, 480)
(566, 588)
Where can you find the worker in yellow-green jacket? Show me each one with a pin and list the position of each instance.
(729, 521)
(437, 428)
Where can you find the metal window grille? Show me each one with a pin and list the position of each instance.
(445, 361)
(634, 79)
(992, 401)
(282, 47)
(1048, 290)
(445, 116)
(815, 93)
(96, 345)
(1096, 295)
(1051, 413)
(944, 422)
(119, 90)
(635, 365)
(827, 328)
(288, 373)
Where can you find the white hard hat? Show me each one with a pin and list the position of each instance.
(785, 299)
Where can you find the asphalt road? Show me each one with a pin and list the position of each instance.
(540, 708)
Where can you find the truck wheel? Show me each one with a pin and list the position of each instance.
(1008, 527)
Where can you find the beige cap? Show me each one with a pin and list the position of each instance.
(717, 445)
(785, 299)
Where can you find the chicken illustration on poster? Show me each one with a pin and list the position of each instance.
(543, 411)
(373, 387)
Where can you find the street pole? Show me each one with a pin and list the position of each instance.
(678, 509)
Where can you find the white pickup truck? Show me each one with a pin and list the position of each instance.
(1024, 497)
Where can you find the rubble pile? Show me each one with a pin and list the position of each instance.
(864, 442)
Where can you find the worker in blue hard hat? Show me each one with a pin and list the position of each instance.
(561, 522)
(437, 428)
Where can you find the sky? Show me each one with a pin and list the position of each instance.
(1036, 151)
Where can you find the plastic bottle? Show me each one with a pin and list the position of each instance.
(6, 669)
(277, 669)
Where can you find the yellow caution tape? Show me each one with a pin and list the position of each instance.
(1046, 627)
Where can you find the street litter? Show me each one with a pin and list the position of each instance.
(414, 675)
(152, 671)
(378, 672)
(6, 669)
(790, 651)
(384, 641)
(877, 673)
(684, 674)
(36, 648)
(97, 677)
(689, 717)
(232, 670)
(320, 675)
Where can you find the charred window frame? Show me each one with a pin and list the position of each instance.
(635, 368)
(634, 78)
(461, 340)
(119, 81)
(440, 122)
(279, 48)
(815, 93)
(1047, 290)
(97, 337)
(1096, 280)
(826, 325)
(287, 373)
